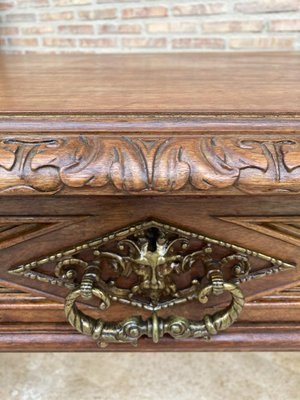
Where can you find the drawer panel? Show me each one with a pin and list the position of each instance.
(263, 225)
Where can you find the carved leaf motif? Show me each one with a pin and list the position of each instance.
(20, 174)
(90, 166)
(290, 153)
(127, 165)
(207, 167)
(169, 171)
(276, 176)
(74, 157)
(95, 162)
(7, 154)
(242, 154)
(207, 163)
(129, 169)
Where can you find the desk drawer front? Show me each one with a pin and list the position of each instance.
(254, 228)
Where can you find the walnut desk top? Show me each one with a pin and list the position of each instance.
(150, 181)
(264, 83)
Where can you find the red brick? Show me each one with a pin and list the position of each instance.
(143, 43)
(32, 3)
(6, 6)
(123, 28)
(28, 42)
(129, 28)
(20, 17)
(285, 25)
(265, 6)
(32, 30)
(200, 9)
(198, 43)
(76, 29)
(108, 13)
(114, 1)
(71, 2)
(232, 26)
(145, 12)
(267, 43)
(173, 27)
(9, 30)
(59, 42)
(57, 16)
(106, 42)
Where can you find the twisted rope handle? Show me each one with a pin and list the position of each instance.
(132, 328)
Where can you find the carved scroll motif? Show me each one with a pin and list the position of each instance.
(108, 165)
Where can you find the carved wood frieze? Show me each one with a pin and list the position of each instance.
(130, 165)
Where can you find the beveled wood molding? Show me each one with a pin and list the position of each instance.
(46, 337)
(14, 230)
(285, 228)
(138, 165)
(151, 122)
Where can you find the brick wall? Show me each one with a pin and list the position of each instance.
(127, 25)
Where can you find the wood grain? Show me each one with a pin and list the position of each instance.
(286, 228)
(263, 83)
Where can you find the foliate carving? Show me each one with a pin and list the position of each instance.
(157, 165)
(152, 266)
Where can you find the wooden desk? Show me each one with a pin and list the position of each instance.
(150, 181)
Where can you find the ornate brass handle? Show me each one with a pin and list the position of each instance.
(132, 328)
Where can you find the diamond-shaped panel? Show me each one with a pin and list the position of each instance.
(152, 265)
